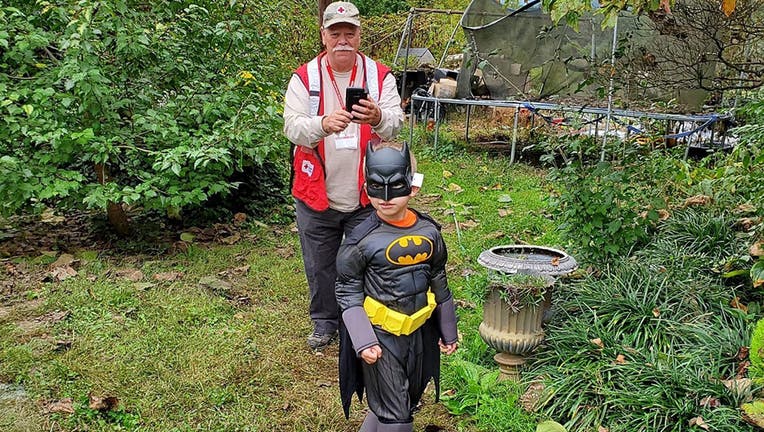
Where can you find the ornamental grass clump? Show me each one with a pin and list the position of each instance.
(656, 342)
(519, 290)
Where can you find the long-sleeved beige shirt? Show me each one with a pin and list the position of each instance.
(341, 161)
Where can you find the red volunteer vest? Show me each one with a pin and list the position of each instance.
(309, 176)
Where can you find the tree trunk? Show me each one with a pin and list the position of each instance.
(114, 212)
(322, 4)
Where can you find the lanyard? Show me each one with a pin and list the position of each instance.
(340, 99)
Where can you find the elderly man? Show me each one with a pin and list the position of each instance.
(329, 144)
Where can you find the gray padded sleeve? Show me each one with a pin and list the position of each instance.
(359, 328)
(447, 321)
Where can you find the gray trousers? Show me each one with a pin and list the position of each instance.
(320, 236)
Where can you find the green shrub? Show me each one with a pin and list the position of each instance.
(756, 353)
(489, 403)
(600, 210)
(152, 105)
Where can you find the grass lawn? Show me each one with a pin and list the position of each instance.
(211, 336)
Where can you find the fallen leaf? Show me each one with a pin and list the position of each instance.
(738, 386)
(756, 249)
(736, 304)
(62, 273)
(602, 429)
(237, 271)
(64, 406)
(187, 237)
(497, 186)
(745, 208)
(286, 406)
(699, 422)
(697, 200)
(620, 359)
(231, 239)
(107, 403)
(48, 216)
(168, 276)
(453, 187)
(215, 284)
(555, 261)
(746, 224)
(143, 286)
(469, 224)
(728, 6)
(663, 214)
(64, 260)
(710, 402)
(131, 274)
(447, 174)
(531, 397)
(496, 235)
(742, 353)
(598, 342)
(504, 198)
(504, 212)
(239, 218)
(656, 312)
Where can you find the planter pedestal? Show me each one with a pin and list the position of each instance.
(509, 365)
(514, 333)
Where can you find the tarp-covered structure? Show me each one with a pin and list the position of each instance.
(515, 52)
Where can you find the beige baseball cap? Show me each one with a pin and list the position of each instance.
(341, 12)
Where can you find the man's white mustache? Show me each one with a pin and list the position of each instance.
(343, 48)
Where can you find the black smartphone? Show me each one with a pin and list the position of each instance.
(352, 96)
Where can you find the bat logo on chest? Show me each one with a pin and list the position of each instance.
(409, 250)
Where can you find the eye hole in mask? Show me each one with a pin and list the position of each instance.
(398, 185)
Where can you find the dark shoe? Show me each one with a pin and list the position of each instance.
(318, 341)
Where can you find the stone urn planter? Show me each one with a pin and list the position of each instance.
(518, 293)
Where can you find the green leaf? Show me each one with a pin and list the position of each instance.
(505, 198)
(757, 273)
(550, 426)
(28, 109)
(187, 237)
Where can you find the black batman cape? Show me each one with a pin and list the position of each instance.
(351, 374)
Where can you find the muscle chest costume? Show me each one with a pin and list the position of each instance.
(397, 275)
(308, 164)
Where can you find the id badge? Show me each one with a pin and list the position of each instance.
(347, 139)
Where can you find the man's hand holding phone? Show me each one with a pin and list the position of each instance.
(363, 109)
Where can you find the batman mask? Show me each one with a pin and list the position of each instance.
(388, 172)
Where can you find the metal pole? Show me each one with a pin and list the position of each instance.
(467, 125)
(406, 60)
(412, 121)
(514, 136)
(448, 45)
(437, 124)
(610, 91)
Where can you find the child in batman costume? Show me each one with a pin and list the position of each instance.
(394, 299)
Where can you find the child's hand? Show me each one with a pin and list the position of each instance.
(448, 349)
(371, 354)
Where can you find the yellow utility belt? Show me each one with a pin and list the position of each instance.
(395, 322)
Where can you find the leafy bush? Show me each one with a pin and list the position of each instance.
(757, 353)
(603, 213)
(490, 403)
(125, 102)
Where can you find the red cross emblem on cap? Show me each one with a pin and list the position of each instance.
(341, 10)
